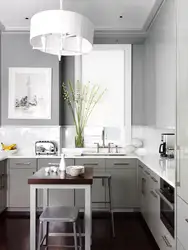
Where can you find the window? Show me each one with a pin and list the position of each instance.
(110, 67)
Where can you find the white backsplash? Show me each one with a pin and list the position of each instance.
(25, 137)
(150, 136)
(92, 135)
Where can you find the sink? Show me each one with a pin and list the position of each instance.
(103, 154)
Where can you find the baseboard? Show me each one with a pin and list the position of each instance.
(95, 214)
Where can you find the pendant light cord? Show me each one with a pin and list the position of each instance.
(61, 4)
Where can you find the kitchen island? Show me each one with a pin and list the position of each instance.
(41, 180)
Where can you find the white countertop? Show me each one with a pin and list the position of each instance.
(165, 168)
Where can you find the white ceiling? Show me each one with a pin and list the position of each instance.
(137, 14)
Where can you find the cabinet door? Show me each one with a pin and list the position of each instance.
(124, 187)
(182, 222)
(154, 211)
(1, 190)
(179, 245)
(98, 187)
(57, 197)
(145, 199)
(140, 188)
(19, 196)
(165, 241)
(4, 184)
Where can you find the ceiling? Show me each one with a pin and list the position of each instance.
(105, 14)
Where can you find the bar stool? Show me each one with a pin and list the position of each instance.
(106, 177)
(60, 214)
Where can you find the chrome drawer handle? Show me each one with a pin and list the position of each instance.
(53, 164)
(166, 241)
(121, 164)
(186, 220)
(154, 194)
(90, 164)
(154, 179)
(147, 172)
(164, 199)
(23, 164)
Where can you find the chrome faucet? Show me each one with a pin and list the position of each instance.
(103, 143)
(103, 138)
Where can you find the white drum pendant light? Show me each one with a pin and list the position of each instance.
(61, 33)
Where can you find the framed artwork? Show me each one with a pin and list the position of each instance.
(29, 95)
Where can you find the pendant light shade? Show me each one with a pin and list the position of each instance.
(62, 33)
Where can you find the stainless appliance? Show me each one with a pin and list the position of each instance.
(166, 148)
(45, 148)
(167, 213)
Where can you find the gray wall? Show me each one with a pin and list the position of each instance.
(17, 52)
(66, 74)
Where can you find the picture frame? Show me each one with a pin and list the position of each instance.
(29, 93)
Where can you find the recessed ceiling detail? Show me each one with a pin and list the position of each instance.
(107, 15)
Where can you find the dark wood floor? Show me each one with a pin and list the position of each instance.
(131, 234)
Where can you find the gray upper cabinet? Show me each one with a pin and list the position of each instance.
(18, 173)
(160, 69)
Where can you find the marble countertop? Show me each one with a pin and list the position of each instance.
(165, 168)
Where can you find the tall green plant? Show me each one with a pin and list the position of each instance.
(82, 100)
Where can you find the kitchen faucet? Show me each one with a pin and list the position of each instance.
(103, 143)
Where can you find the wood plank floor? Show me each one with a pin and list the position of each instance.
(131, 234)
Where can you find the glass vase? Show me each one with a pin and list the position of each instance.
(79, 140)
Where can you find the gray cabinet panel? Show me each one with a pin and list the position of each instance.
(20, 169)
(3, 186)
(98, 188)
(18, 187)
(124, 187)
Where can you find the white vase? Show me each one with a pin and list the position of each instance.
(62, 165)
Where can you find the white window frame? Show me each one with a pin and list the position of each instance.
(127, 82)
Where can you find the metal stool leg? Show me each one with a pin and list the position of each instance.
(40, 234)
(47, 234)
(75, 236)
(110, 204)
(80, 234)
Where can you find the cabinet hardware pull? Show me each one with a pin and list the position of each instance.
(121, 164)
(154, 195)
(178, 166)
(154, 179)
(147, 172)
(164, 199)
(23, 163)
(141, 167)
(53, 164)
(166, 242)
(90, 164)
(186, 220)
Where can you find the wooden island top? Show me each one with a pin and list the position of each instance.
(41, 177)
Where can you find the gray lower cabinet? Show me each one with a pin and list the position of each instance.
(18, 173)
(56, 196)
(98, 187)
(124, 182)
(3, 185)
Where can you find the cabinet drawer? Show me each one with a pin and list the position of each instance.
(91, 162)
(18, 163)
(182, 222)
(121, 163)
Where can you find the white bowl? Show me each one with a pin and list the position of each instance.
(75, 171)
